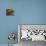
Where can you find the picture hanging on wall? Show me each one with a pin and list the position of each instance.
(10, 12)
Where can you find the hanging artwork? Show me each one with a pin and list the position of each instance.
(10, 12)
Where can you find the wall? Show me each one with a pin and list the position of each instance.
(27, 12)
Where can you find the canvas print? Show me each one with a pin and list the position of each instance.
(10, 12)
